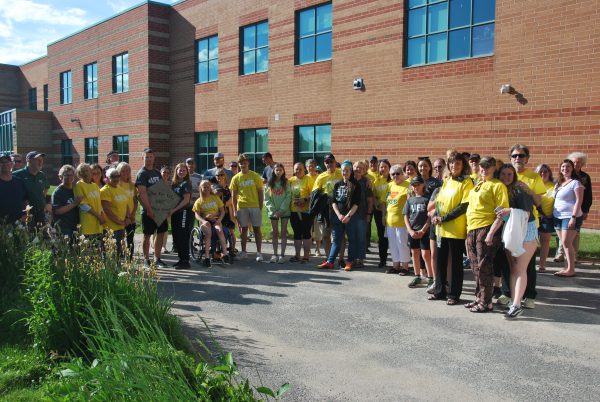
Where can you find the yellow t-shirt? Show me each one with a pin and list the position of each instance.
(209, 205)
(131, 192)
(372, 176)
(247, 186)
(380, 189)
(452, 194)
(312, 178)
(300, 188)
(396, 196)
(326, 181)
(536, 184)
(475, 177)
(91, 196)
(548, 199)
(118, 204)
(483, 200)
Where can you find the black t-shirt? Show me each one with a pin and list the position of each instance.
(147, 178)
(430, 185)
(341, 195)
(182, 189)
(521, 200)
(64, 196)
(12, 201)
(365, 194)
(416, 210)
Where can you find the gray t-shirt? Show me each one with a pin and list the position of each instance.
(416, 210)
(61, 197)
(147, 178)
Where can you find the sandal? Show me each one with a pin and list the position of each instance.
(452, 302)
(392, 271)
(403, 272)
(472, 304)
(481, 308)
(434, 297)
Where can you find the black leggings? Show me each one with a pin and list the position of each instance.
(181, 226)
(301, 225)
(130, 234)
(382, 241)
(456, 249)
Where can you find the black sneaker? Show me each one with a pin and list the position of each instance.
(160, 263)
(497, 292)
(513, 311)
(182, 265)
(227, 259)
(206, 262)
(147, 264)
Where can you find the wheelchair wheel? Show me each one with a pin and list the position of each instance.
(195, 244)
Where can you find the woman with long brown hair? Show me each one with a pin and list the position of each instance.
(181, 215)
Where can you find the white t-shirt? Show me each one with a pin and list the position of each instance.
(564, 200)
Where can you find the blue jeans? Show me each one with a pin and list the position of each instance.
(361, 241)
(339, 229)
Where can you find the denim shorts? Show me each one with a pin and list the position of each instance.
(563, 224)
(546, 225)
(532, 231)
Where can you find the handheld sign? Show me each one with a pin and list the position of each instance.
(162, 200)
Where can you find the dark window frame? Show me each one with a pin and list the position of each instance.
(66, 87)
(66, 152)
(45, 97)
(255, 156)
(254, 49)
(204, 157)
(120, 144)
(208, 59)
(120, 60)
(297, 37)
(302, 156)
(32, 98)
(89, 144)
(90, 85)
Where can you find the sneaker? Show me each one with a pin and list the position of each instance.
(348, 267)
(259, 257)
(242, 255)
(528, 303)
(182, 265)
(147, 264)
(430, 286)
(325, 265)
(281, 259)
(227, 259)
(503, 300)
(160, 264)
(273, 259)
(513, 311)
(206, 262)
(415, 282)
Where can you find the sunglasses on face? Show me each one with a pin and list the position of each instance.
(515, 156)
(395, 174)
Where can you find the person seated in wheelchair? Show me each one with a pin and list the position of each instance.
(209, 211)
(229, 221)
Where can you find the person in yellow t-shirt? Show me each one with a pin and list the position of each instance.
(91, 217)
(380, 188)
(312, 174)
(300, 185)
(325, 182)
(534, 186)
(209, 211)
(115, 204)
(474, 165)
(373, 171)
(546, 218)
(248, 196)
(393, 216)
(483, 236)
(128, 186)
(451, 204)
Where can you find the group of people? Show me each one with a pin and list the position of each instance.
(433, 213)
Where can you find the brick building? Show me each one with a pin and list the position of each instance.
(278, 75)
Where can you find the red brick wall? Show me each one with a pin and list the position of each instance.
(35, 75)
(548, 52)
(10, 87)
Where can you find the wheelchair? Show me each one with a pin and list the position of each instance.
(197, 245)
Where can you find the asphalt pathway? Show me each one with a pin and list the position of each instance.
(365, 336)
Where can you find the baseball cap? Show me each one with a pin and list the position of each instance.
(219, 155)
(111, 153)
(487, 161)
(34, 154)
(417, 180)
(148, 151)
(5, 155)
(329, 157)
(189, 160)
(373, 158)
(474, 157)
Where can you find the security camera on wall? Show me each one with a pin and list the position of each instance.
(506, 89)
(358, 84)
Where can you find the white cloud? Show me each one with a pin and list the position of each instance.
(27, 10)
(17, 52)
(5, 29)
(120, 5)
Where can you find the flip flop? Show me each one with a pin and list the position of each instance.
(559, 274)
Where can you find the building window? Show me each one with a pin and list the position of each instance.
(254, 143)
(45, 97)
(66, 86)
(120, 66)
(255, 48)
(32, 98)
(6, 131)
(445, 30)
(90, 81)
(313, 33)
(313, 142)
(91, 150)
(66, 152)
(207, 59)
(206, 147)
(121, 145)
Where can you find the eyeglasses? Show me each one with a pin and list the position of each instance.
(438, 167)
(515, 156)
(221, 175)
(395, 174)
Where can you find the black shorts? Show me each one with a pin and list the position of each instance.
(422, 243)
(149, 227)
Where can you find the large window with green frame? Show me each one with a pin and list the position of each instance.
(66, 152)
(444, 30)
(91, 150)
(206, 147)
(254, 142)
(312, 142)
(121, 145)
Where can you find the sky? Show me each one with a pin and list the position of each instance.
(28, 26)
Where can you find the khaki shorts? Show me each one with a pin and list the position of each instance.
(316, 231)
(249, 216)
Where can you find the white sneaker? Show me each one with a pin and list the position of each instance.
(272, 261)
(281, 260)
(242, 255)
(259, 257)
(528, 303)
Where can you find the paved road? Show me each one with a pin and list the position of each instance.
(365, 336)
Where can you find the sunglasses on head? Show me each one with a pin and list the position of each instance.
(422, 158)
